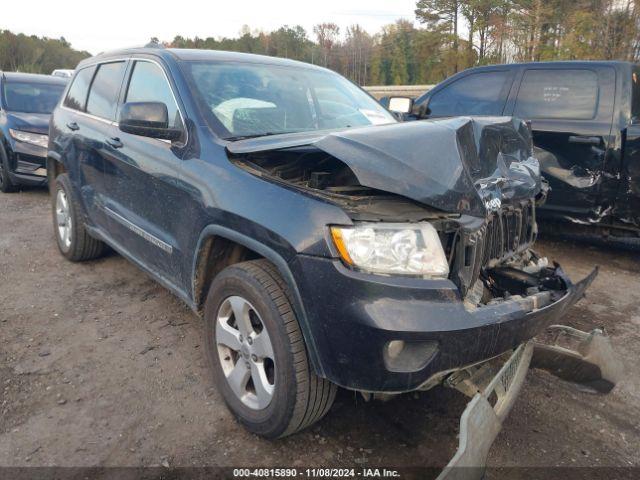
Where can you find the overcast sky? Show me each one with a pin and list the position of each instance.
(99, 26)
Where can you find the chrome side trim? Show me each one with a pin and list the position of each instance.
(139, 231)
(88, 115)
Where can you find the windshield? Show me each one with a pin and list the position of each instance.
(31, 97)
(246, 100)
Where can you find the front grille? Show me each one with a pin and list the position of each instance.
(504, 234)
(507, 232)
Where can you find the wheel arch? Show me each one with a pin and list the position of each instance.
(240, 247)
(55, 167)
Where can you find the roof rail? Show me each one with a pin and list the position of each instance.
(154, 45)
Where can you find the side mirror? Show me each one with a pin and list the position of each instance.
(147, 119)
(400, 104)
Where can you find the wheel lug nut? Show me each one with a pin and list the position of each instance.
(254, 358)
(240, 337)
(250, 340)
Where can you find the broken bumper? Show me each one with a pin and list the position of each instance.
(482, 420)
(353, 317)
(574, 355)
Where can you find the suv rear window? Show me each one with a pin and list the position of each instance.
(105, 87)
(563, 94)
(77, 96)
(480, 93)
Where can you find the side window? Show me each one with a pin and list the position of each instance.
(562, 94)
(149, 84)
(103, 95)
(476, 94)
(77, 96)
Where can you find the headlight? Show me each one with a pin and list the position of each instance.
(32, 138)
(392, 248)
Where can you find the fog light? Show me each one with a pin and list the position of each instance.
(400, 356)
(394, 348)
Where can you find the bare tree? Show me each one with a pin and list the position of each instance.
(327, 35)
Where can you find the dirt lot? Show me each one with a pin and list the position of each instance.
(99, 365)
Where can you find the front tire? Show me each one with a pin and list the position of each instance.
(257, 353)
(74, 242)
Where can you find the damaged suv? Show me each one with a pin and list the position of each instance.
(324, 243)
(585, 119)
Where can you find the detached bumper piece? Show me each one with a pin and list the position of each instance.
(493, 397)
(571, 354)
(580, 357)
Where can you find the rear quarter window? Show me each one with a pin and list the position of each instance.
(558, 94)
(482, 93)
(77, 96)
(103, 94)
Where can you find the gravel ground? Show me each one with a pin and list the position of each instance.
(101, 366)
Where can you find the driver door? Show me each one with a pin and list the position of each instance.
(145, 199)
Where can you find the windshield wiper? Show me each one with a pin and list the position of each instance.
(264, 134)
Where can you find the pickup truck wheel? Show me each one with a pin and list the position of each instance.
(6, 185)
(73, 240)
(257, 353)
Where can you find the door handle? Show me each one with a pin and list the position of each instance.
(114, 142)
(584, 140)
(73, 126)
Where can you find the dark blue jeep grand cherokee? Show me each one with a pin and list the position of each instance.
(324, 243)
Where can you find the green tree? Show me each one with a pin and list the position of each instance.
(34, 54)
(437, 12)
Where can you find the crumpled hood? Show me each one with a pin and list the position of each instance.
(458, 165)
(29, 122)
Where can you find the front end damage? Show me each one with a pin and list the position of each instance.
(481, 195)
(477, 182)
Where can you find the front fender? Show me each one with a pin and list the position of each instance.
(282, 266)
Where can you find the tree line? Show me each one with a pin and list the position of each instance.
(449, 36)
(452, 35)
(32, 54)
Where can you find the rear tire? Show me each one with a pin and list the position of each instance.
(298, 397)
(74, 242)
(6, 185)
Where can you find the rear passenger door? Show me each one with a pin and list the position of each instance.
(144, 200)
(474, 93)
(571, 111)
(92, 130)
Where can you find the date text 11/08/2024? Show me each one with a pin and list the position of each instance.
(315, 473)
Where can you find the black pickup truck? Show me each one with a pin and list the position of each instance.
(585, 118)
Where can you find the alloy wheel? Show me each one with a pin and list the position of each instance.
(63, 219)
(245, 352)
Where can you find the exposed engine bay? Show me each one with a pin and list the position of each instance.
(480, 196)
